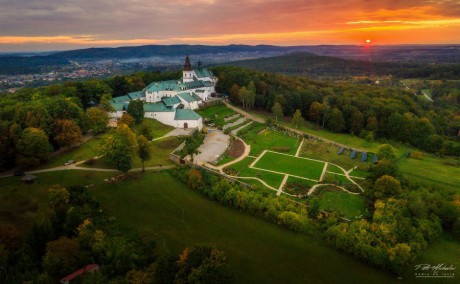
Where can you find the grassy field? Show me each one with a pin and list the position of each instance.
(158, 129)
(433, 171)
(269, 140)
(160, 150)
(271, 179)
(86, 151)
(297, 185)
(216, 114)
(336, 200)
(327, 152)
(290, 165)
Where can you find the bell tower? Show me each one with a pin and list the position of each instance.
(188, 73)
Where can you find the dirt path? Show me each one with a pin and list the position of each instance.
(299, 149)
(313, 188)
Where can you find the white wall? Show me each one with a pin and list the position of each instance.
(163, 117)
(116, 114)
(191, 123)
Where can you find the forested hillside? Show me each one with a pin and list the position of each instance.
(368, 111)
(308, 64)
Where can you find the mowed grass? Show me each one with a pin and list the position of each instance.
(216, 114)
(290, 165)
(158, 129)
(271, 179)
(334, 199)
(314, 149)
(433, 171)
(258, 251)
(270, 140)
(87, 150)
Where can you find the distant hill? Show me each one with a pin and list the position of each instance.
(308, 64)
(167, 50)
(17, 64)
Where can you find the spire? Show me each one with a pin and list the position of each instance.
(187, 65)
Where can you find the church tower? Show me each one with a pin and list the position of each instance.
(188, 73)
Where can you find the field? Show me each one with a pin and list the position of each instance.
(216, 114)
(291, 165)
(158, 129)
(166, 211)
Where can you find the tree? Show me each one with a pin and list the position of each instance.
(387, 152)
(387, 186)
(251, 94)
(336, 123)
(277, 111)
(136, 110)
(143, 150)
(146, 130)
(243, 96)
(127, 120)
(98, 119)
(357, 122)
(297, 119)
(313, 208)
(202, 264)
(433, 144)
(315, 112)
(117, 149)
(61, 256)
(105, 103)
(165, 269)
(67, 133)
(234, 93)
(33, 147)
(372, 124)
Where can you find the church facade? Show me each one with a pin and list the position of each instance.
(173, 102)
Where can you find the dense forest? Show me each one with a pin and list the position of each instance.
(311, 65)
(371, 112)
(36, 121)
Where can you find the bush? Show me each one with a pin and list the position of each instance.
(281, 149)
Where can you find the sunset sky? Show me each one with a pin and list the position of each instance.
(67, 24)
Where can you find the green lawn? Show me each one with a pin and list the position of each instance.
(269, 140)
(290, 165)
(271, 179)
(337, 179)
(258, 252)
(85, 151)
(158, 129)
(216, 114)
(334, 199)
(433, 171)
(327, 152)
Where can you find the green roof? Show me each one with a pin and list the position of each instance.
(121, 99)
(203, 72)
(170, 85)
(157, 107)
(199, 91)
(187, 97)
(119, 106)
(136, 95)
(169, 102)
(186, 114)
(196, 97)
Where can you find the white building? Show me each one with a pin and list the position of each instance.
(172, 102)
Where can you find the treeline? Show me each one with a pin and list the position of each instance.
(311, 65)
(403, 219)
(368, 111)
(36, 121)
(72, 231)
